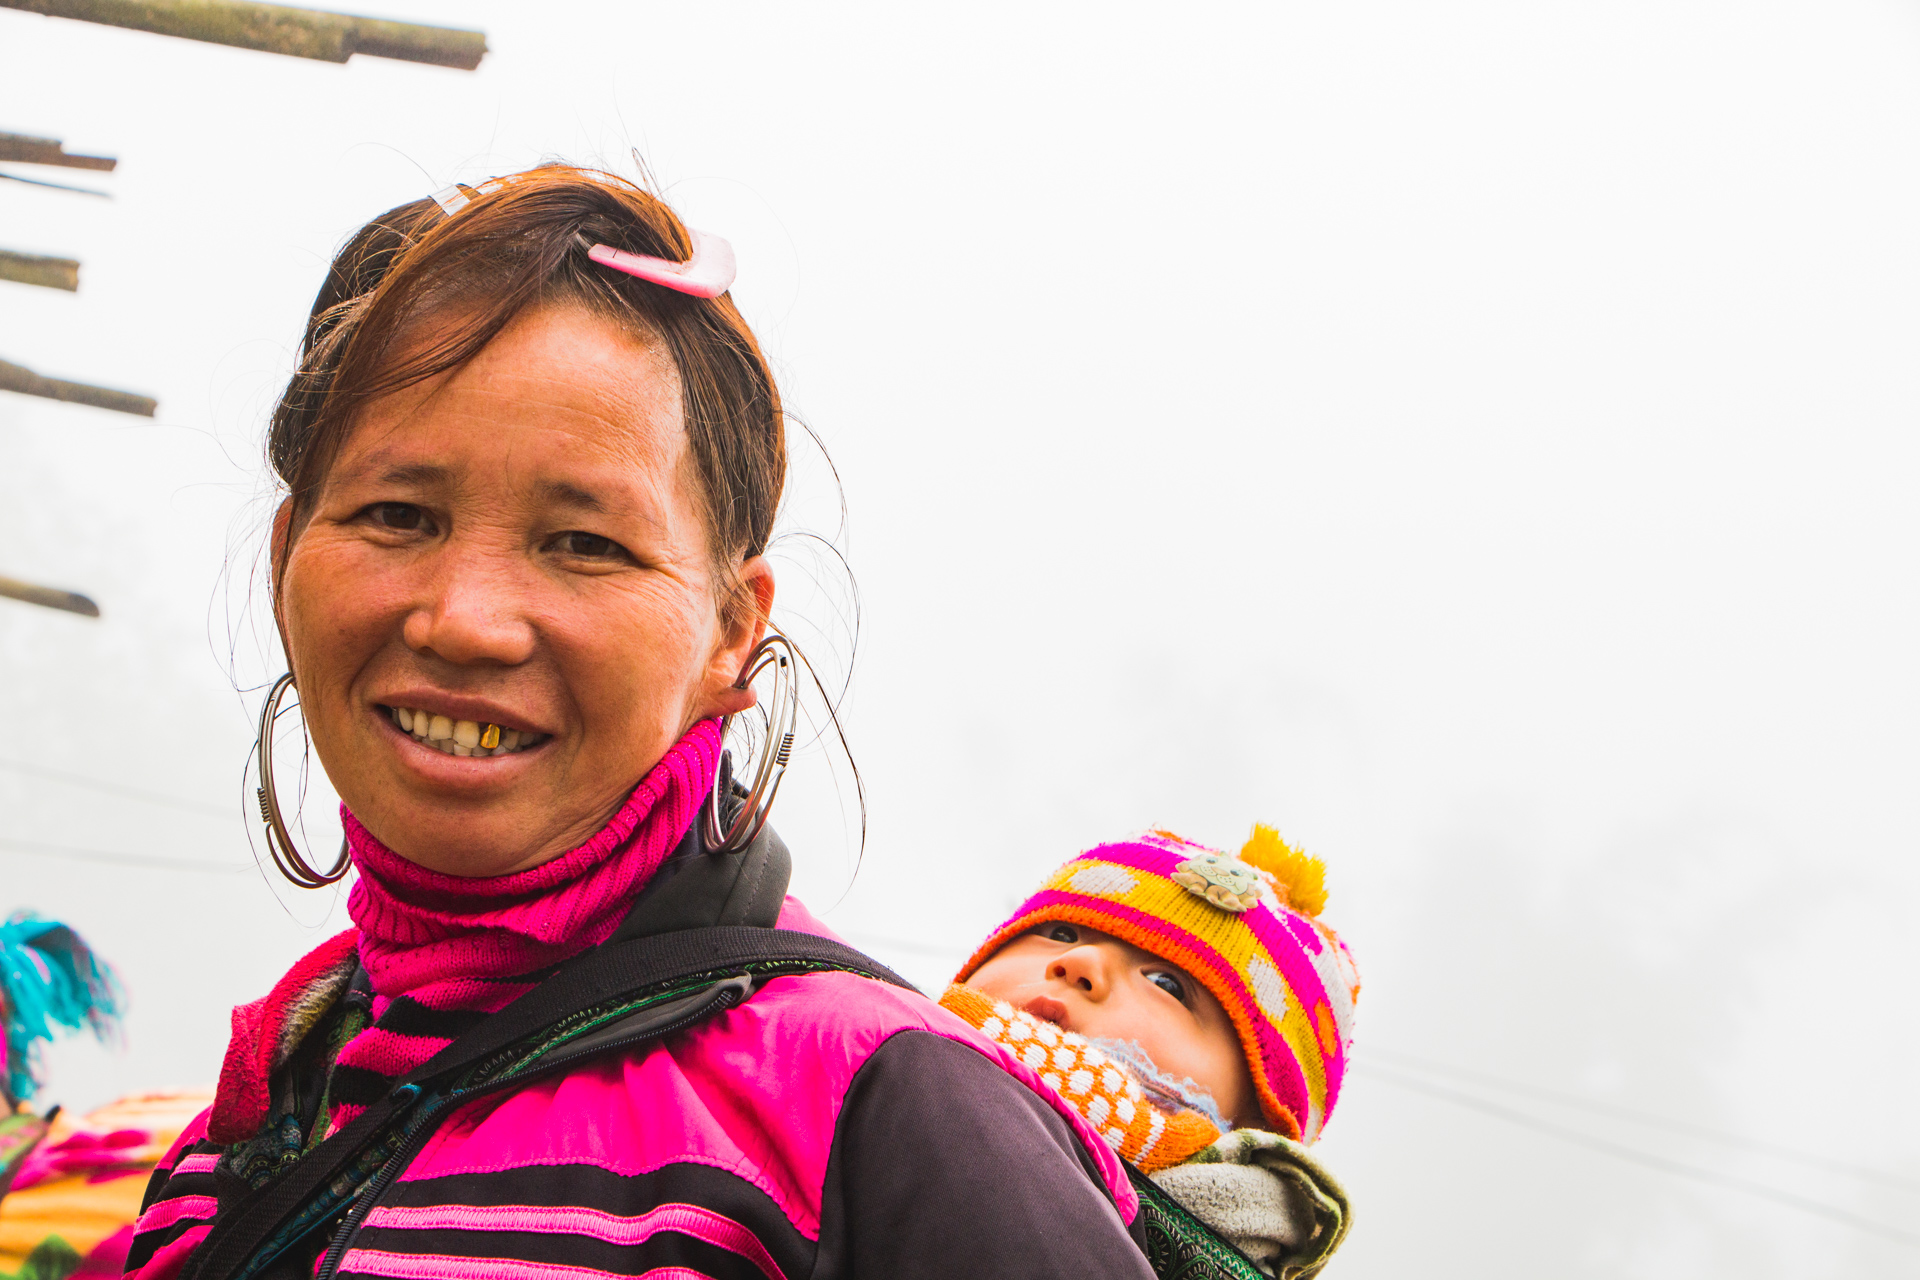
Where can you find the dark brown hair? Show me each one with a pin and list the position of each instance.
(522, 241)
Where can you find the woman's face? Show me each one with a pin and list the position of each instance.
(517, 544)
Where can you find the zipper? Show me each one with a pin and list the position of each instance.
(725, 995)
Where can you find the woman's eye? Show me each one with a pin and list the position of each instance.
(1064, 933)
(1169, 984)
(403, 516)
(588, 546)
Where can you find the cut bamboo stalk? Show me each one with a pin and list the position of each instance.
(49, 597)
(31, 268)
(21, 149)
(29, 383)
(274, 28)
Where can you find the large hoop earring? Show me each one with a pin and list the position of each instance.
(286, 856)
(782, 713)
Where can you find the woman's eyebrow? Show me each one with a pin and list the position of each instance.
(415, 474)
(563, 494)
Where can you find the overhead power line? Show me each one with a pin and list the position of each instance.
(156, 863)
(1647, 1118)
(57, 186)
(276, 28)
(115, 789)
(1679, 1168)
(901, 944)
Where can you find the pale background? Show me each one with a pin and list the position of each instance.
(1478, 438)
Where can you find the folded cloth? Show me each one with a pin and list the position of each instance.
(1267, 1197)
(83, 1202)
(101, 1156)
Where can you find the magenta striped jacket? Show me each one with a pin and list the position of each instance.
(832, 1126)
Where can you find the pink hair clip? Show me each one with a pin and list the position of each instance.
(707, 274)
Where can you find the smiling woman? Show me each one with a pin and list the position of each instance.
(532, 458)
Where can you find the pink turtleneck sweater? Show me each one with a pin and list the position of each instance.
(443, 949)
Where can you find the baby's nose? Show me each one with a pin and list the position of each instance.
(1084, 967)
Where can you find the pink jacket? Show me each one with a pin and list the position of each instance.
(831, 1126)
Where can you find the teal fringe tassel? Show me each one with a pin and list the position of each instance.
(49, 979)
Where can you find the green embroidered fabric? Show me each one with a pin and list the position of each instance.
(1180, 1246)
(298, 1101)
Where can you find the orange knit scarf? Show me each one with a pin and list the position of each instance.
(1104, 1093)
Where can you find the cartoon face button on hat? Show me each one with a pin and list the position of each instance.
(1226, 882)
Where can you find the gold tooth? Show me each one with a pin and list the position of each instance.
(491, 737)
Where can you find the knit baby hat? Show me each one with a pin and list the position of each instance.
(1245, 927)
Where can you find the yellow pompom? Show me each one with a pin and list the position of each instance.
(1300, 879)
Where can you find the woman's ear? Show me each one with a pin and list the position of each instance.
(276, 565)
(743, 624)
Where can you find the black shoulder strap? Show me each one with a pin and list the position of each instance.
(697, 888)
(669, 962)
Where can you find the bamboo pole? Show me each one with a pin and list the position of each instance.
(21, 149)
(274, 28)
(48, 273)
(29, 383)
(50, 597)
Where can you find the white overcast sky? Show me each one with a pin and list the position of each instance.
(1477, 438)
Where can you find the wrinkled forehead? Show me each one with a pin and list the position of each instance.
(561, 399)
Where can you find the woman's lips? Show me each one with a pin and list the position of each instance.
(1047, 1009)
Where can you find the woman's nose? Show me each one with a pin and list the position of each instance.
(473, 612)
(1086, 967)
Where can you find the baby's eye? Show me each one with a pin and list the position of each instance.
(1170, 984)
(1064, 933)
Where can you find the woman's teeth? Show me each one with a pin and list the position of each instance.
(464, 737)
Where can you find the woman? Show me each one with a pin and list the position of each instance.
(532, 457)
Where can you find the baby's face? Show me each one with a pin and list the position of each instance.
(1099, 986)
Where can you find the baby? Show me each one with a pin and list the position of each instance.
(1191, 1007)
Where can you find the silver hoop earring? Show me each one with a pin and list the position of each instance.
(782, 713)
(285, 855)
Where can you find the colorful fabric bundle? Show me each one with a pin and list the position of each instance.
(1100, 1089)
(71, 1209)
(49, 979)
(20, 1134)
(1244, 927)
(98, 1157)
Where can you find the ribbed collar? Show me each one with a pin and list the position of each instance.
(422, 928)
